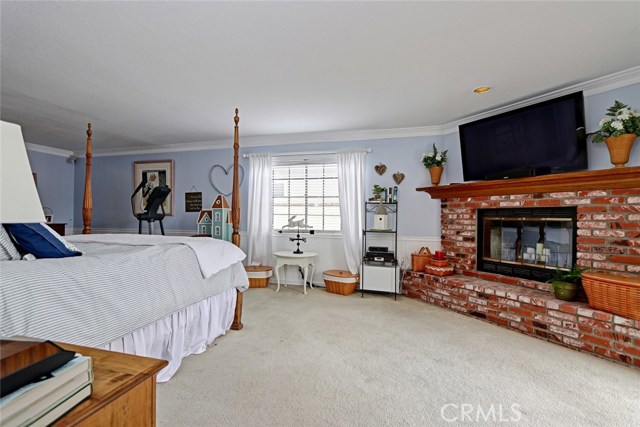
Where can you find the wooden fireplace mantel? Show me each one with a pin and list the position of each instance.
(627, 177)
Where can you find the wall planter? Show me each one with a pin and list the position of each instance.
(436, 174)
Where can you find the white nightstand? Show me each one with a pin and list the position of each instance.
(303, 260)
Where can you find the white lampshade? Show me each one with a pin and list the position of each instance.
(19, 200)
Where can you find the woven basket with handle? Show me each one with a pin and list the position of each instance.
(420, 259)
(340, 282)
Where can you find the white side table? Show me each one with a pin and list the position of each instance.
(303, 260)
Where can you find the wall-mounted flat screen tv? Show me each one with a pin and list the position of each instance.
(548, 137)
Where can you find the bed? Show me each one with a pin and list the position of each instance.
(157, 296)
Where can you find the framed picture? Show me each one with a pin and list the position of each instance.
(155, 173)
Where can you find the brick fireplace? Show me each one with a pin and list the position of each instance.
(608, 234)
(607, 205)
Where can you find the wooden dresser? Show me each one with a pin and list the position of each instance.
(124, 391)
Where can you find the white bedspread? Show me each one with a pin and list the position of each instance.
(213, 255)
(112, 289)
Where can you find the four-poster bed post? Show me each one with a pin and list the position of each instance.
(235, 217)
(87, 204)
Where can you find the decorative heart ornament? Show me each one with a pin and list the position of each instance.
(381, 169)
(221, 178)
(398, 177)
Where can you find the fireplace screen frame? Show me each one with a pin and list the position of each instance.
(528, 268)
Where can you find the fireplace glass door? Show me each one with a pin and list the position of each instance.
(526, 243)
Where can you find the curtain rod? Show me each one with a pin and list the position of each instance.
(307, 153)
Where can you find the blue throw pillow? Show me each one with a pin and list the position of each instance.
(41, 241)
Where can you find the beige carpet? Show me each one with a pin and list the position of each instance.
(328, 360)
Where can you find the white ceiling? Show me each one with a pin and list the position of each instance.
(150, 74)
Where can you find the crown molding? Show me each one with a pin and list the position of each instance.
(283, 139)
(48, 150)
(339, 136)
(591, 87)
(612, 81)
(171, 148)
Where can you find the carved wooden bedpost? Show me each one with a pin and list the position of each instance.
(87, 204)
(235, 201)
(235, 218)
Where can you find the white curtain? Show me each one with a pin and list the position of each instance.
(259, 213)
(351, 192)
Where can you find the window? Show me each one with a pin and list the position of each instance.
(307, 188)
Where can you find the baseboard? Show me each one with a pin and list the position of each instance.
(98, 230)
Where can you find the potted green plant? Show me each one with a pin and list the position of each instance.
(434, 162)
(377, 190)
(566, 284)
(618, 131)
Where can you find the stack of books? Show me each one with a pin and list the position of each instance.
(42, 402)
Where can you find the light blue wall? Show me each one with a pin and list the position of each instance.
(55, 184)
(595, 107)
(112, 186)
(113, 182)
(419, 215)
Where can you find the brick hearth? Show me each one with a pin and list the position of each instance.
(608, 238)
(531, 311)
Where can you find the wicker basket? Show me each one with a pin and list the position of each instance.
(258, 275)
(616, 293)
(420, 259)
(340, 282)
(439, 262)
(439, 271)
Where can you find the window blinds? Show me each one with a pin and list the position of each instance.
(306, 187)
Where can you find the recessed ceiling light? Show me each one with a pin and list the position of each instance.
(482, 89)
